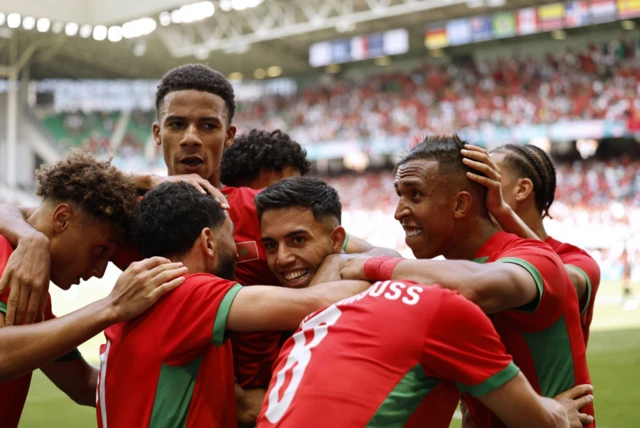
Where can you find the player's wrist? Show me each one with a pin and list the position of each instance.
(380, 268)
(108, 311)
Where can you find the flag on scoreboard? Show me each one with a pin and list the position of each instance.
(576, 13)
(504, 24)
(436, 36)
(603, 11)
(359, 48)
(628, 8)
(551, 16)
(458, 32)
(527, 21)
(481, 28)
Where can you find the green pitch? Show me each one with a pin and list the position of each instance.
(614, 362)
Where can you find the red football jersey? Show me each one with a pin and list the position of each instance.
(397, 354)
(544, 337)
(13, 393)
(253, 353)
(581, 261)
(172, 365)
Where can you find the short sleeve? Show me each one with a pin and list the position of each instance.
(589, 269)
(196, 317)
(462, 346)
(549, 275)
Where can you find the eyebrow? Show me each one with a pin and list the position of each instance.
(288, 235)
(204, 119)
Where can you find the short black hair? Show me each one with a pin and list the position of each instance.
(305, 192)
(259, 150)
(170, 217)
(533, 163)
(200, 78)
(446, 150)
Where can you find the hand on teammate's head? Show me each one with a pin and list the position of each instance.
(202, 185)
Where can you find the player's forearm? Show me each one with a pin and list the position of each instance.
(510, 222)
(360, 246)
(26, 348)
(483, 284)
(14, 226)
(579, 282)
(143, 182)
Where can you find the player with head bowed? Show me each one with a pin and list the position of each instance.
(521, 185)
(177, 357)
(521, 283)
(85, 214)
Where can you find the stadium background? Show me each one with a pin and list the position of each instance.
(355, 82)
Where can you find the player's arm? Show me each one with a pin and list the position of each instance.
(248, 404)
(76, 378)
(28, 282)
(355, 245)
(494, 287)
(518, 406)
(258, 308)
(585, 276)
(146, 182)
(25, 348)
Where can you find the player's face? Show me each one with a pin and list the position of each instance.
(227, 253)
(296, 244)
(267, 177)
(425, 208)
(509, 180)
(81, 248)
(193, 132)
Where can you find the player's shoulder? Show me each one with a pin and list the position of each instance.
(198, 280)
(243, 193)
(511, 242)
(564, 248)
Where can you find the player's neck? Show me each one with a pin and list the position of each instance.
(473, 235)
(534, 221)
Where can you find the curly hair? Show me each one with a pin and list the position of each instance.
(170, 218)
(98, 188)
(259, 150)
(200, 78)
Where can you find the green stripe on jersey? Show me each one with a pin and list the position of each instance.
(494, 382)
(552, 358)
(586, 277)
(481, 260)
(173, 395)
(404, 399)
(3, 307)
(346, 241)
(220, 323)
(532, 306)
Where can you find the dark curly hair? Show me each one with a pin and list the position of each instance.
(98, 188)
(533, 163)
(198, 77)
(259, 150)
(170, 218)
(306, 192)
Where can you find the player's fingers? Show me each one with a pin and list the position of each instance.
(584, 401)
(483, 167)
(585, 419)
(168, 275)
(160, 291)
(150, 263)
(579, 391)
(480, 155)
(43, 306)
(4, 281)
(473, 148)
(12, 302)
(482, 180)
(33, 305)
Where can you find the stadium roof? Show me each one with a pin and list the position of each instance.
(264, 33)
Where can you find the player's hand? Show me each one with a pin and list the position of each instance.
(353, 268)
(142, 284)
(196, 181)
(27, 276)
(329, 270)
(478, 158)
(575, 399)
(248, 405)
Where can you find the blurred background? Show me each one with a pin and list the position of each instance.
(356, 82)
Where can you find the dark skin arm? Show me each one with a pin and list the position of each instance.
(25, 348)
(77, 378)
(357, 245)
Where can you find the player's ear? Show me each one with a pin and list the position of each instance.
(62, 216)
(462, 205)
(523, 189)
(156, 133)
(207, 243)
(231, 134)
(338, 235)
